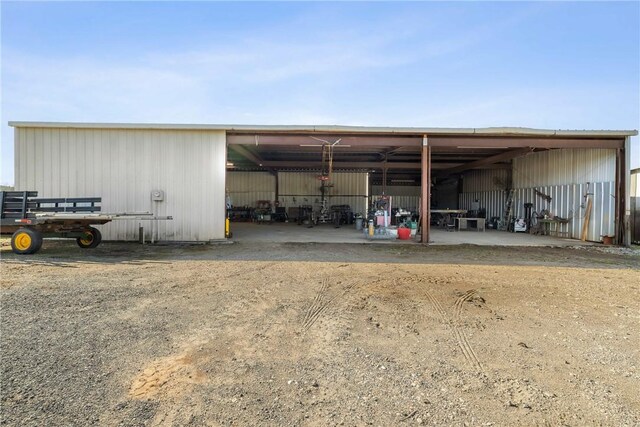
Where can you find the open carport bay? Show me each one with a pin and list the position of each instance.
(319, 334)
(246, 232)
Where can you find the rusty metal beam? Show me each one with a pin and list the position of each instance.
(290, 164)
(425, 201)
(298, 140)
(252, 157)
(341, 165)
(515, 142)
(502, 157)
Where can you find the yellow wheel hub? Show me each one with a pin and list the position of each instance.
(23, 241)
(87, 239)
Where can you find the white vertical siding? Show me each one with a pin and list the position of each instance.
(123, 166)
(567, 175)
(568, 201)
(402, 196)
(398, 190)
(492, 201)
(348, 189)
(564, 166)
(245, 188)
(485, 180)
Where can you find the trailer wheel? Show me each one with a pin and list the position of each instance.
(26, 241)
(90, 238)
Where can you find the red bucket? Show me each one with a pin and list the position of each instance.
(404, 233)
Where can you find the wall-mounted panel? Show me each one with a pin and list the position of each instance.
(123, 166)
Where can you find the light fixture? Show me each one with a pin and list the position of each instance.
(230, 164)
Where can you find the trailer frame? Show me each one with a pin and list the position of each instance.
(30, 219)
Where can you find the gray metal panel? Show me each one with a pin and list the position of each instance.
(303, 188)
(245, 188)
(635, 220)
(492, 201)
(410, 203)
(397, 190)
(568, 201)
(123, 167)
(564, 166)
(485, 180)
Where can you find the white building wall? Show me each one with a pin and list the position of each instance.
(246, 188)
(123, 166)
(303, 188)
(568, 175)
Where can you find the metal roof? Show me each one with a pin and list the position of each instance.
(516, 131)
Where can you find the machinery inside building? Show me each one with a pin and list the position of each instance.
(373, 185)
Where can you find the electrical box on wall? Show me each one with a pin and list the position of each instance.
(157, 195)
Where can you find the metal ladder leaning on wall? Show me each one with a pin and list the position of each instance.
(508, 211)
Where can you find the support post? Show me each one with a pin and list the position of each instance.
(626, 185)
(425, 208)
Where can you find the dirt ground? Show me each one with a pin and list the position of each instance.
(295, 334)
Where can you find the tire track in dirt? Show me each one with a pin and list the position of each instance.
(321, 302)
(463, 341)
(461, 338)
(461, 300)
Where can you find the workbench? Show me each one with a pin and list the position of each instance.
(463, 223)
(443, 217)
(551, 227)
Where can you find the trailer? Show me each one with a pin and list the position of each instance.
(30, 219)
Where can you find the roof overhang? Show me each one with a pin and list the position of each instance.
(339, 129)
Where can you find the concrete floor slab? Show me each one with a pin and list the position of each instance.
(290, 232)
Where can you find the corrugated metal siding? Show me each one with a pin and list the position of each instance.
(402, 196)
(567, 201)
(564, 166)
(123, 167)
(493, 201)
(635, 185)
(410, 203)
(246, 188)
(485, 180)
(304, 187)
(398, 190)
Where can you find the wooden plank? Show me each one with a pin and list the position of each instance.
(587, 217)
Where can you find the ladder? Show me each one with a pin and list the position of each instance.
(508, 212)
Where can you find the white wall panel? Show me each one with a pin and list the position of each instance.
(246, 188)
(397, 190)
(303, 188)
(568, 201)
(122, 166)
(493, 201)
(564, 166)
(485, 180)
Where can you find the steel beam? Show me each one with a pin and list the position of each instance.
(252, 157)
(435, 141)
(305, 140)
(502, 157)
(515, 142)
(626, 185)
(425, 206)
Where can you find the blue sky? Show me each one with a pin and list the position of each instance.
(561, 65)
